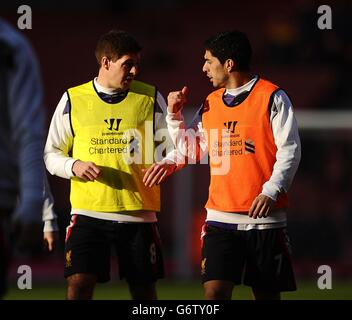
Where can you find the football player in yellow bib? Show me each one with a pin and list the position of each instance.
(102, 138)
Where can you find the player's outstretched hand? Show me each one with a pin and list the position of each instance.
(50, 239)
(176, 100)
(87, 171)
(261, 207)
(158, 172)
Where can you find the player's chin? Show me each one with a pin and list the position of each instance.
(215, 84)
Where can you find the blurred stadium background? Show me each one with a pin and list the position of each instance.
(313, 65)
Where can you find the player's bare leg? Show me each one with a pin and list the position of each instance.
(145, 291)
(265, 295)
(80, 286)
(218, 290)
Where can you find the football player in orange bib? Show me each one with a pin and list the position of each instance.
(248, 129)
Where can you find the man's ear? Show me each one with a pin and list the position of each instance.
(230, 65)
(105, 62)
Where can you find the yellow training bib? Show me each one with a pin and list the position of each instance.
(119, 138)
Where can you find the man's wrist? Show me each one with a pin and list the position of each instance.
(74, 173)
(69, 167)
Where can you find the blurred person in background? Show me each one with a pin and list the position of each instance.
(88, 143)
(25, 198)
(244, 238)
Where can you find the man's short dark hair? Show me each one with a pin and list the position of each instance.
(115, 44)
(231, 45)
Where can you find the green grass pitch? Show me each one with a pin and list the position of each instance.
(178, 290)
